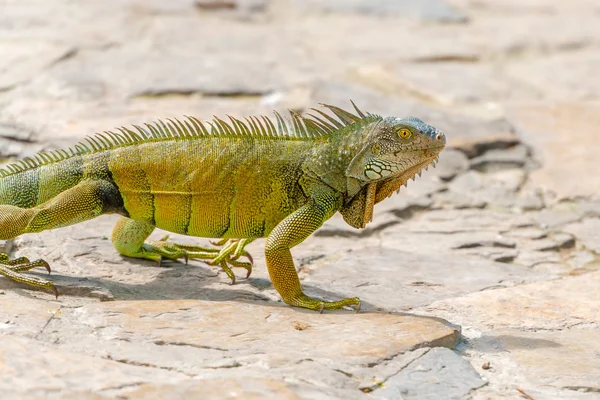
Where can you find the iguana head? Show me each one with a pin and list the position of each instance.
(396, 149)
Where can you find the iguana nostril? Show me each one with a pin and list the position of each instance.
(440, 137)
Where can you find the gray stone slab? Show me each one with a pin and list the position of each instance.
(564, 136)
(18, 65)
(452, 162)
(427, 10)
(499, 159)
(232, 339)
(397, 279)
(166, 70)
(587, 233)
(498, 189)
(439, 374)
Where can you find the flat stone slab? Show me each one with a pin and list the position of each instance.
(439, 374)
(565, 139)
(232, 388)
(566, 359)
(246, 328)
(555, 304)
(544, 332)
(150, 345)
(24, 315)
(427, 10)
(28, 366)
(588, 232)
(402, 279)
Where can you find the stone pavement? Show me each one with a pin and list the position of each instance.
(481, 280)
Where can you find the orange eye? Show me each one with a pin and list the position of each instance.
(404, 133)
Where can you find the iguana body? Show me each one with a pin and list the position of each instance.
(237, 180)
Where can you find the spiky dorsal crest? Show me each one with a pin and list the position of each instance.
(298, 128)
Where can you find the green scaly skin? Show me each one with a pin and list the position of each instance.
(236, 180)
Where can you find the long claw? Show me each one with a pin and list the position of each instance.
(47, 267)
(12, 270)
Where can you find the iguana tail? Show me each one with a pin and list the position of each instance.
(38, 197)
(33, 185)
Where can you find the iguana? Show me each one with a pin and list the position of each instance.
(237, 180)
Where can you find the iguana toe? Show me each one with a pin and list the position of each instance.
(12, 270)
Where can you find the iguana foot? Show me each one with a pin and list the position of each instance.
(227, 256)
(313, 304)
(12, 270)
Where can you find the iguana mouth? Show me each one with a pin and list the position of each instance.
(427, 149)
(412, 172)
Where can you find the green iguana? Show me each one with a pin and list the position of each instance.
(236, 180)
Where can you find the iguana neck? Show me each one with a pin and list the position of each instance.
(331, 157)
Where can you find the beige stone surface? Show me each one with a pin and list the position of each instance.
(556, 304)
(542, 334)
(254, 389)
(565, 139)
(250, 328)
(29, 366)
(25, 315)
(588, 231)
(565, 359)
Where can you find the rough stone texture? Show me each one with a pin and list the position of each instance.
(407, 275)
(440, 373)
(501, 238)
(565, 133)
(588, 232)
(545, 330)
(452, 162)
(52, 370)
(209, 340)
(427, 10)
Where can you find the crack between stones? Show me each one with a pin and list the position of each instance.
(341, 371)
(148, 365)
(380, 384)
(123, 386)
(585, 389)
(37, 336)
(475, 389)
(163, 343)
(157, 94)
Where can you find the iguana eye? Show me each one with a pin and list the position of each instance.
(404, 133)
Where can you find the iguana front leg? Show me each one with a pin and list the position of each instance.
(129, 238)
(293, 230)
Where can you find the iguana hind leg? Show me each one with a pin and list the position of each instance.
(86, 200)
(129, 238)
